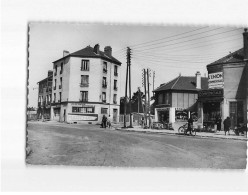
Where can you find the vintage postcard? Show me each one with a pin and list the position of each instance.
(137, 96)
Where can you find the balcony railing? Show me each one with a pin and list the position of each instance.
(84, 84)
(54, 88)
(105, 70)
(104, 85)
(116, 74)
(115, 88)
(60, 86)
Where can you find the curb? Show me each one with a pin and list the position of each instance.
(173, 134)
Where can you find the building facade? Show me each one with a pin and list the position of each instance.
(45, 97)
(176, 100)
(227, 93)
(86, 86)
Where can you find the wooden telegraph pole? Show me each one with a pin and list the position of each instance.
(125, 99)
(145, 97)
(130, 93)
(148, 89)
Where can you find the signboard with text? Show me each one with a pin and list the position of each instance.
(82, 117)
(215, 80)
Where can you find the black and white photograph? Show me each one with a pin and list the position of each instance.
(124, 96)
(137, 96)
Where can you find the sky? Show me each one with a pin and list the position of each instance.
(166, 50)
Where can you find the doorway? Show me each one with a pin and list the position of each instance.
(115, 113)
(236, 113)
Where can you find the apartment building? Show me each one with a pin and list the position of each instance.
(86, 86)
(45, 97)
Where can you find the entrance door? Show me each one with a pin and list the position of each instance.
(236, 113)
(115, 115)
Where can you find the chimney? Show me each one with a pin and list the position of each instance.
(108, 50)
(245, 35)
(65, 53)
(96, 49)
(198, 80)
(50, 72)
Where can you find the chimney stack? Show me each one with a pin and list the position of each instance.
(50, 72)
(108, 50)
(65, 53)
(245, 35)
(198, 80)
(97, 49)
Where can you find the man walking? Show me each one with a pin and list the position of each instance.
(190, 125)
(227, 125)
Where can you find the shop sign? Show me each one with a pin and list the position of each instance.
(163, 109)
(82, 117)
(215, 80)
(82, 105)
(211, 93)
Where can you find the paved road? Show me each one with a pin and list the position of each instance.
(89, 145)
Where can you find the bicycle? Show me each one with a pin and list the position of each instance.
(184, 130)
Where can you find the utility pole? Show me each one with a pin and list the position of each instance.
(153, 83)
(130, 93)
(125, 99)
(148, 88)
(145, 96)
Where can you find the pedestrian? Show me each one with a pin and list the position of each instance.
(218, 123)
(190, 125)
(227, 125)
(109, 123)
(104, 121)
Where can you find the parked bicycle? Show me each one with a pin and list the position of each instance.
(184, 130)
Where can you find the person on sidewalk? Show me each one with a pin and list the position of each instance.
(218, 122)
(227, 125)
(190, 125)
(104, 121)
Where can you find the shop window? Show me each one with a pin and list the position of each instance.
(85, 65)
(83, 109)
(104, 110)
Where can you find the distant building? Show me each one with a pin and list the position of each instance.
(86, 86)
(176, 99)
(44, 97)
(228, 89)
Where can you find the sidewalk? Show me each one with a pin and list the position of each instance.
(217, 135)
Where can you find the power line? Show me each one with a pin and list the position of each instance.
(167, 37)
(185, 41)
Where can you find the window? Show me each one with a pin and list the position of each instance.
(104, 110)
(50, 98)
(160, 98)
(104, 82)
(60, 83)
(59, 96)
(103, 96)
(55, 73)
(84, 81)
(61, 70)
(55, 82)
(83, 109)
(84, 96)
(105, 70)
(85, 65)
(54, 97)
(116, 70)
(115, 99)
(115, 85)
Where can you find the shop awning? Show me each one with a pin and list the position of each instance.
(192, 108)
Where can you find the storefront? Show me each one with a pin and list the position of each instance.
(210, 105)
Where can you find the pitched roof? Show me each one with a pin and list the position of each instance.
(237, 56)
(183, 83)
(88, 52)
